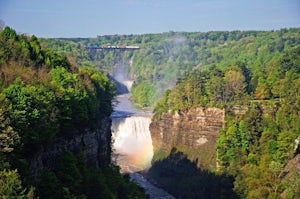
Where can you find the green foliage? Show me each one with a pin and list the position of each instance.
(257, 141)
(50, 188)
(11, 186)
(143, 94)
(8, 33)
(234, 85)
(204, 88)
(262, 118)
(8, 136)
(163, 58)
(28, 111)
(49, 96)
(43, 98)
(162, 104)
(74, 179)
(105, 90)
(271, 127)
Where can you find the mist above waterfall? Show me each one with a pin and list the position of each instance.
(120, 76)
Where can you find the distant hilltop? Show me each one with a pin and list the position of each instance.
(113, 47)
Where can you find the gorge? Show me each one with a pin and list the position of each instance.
(132, 148)
(226, 129)
(188, 144)
(188, 137)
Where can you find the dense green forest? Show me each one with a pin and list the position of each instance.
(254, 75)
(44, 98)
(163, 58)
(262, 104)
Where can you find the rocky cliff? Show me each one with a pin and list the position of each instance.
(193, 132)
(94, 145)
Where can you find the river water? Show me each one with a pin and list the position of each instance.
(132, 148)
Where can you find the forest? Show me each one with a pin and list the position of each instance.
(262, 121)
(255, 72)
(253, 75)
(43, 99)
(165, 57)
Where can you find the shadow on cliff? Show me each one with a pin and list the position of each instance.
(181, 177)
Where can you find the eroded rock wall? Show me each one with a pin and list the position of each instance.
(193, 132)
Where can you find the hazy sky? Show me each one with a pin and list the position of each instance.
(89, 18)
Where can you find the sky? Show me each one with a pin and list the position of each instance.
(90, 18)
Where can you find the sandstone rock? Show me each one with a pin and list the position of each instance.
(193, 132)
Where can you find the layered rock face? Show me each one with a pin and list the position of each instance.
(193, 132)
(94, 145)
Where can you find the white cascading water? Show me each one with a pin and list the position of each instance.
(132, 144)
(131, 139)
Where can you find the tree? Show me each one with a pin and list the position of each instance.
(234, 85)
(50, 186)
(9, 33)
(69, 172)
(11, 185)
(254, 120)
(216, 88)
(262, 91)
(162, 105)
(145, 94)
(8, 136)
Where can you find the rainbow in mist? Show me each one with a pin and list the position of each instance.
(132, 144)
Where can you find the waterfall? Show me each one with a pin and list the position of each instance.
(132, 144)
(131, 140)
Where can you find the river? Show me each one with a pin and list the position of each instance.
(132, 148)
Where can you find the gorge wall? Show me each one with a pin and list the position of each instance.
(94, 145)
(193, 132)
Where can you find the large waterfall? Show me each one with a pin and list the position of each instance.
(132, 144)
(131, 139)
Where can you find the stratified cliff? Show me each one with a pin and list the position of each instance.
(193, 132)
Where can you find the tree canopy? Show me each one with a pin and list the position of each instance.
(165, 57)
(255, 144)
(44, 98)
